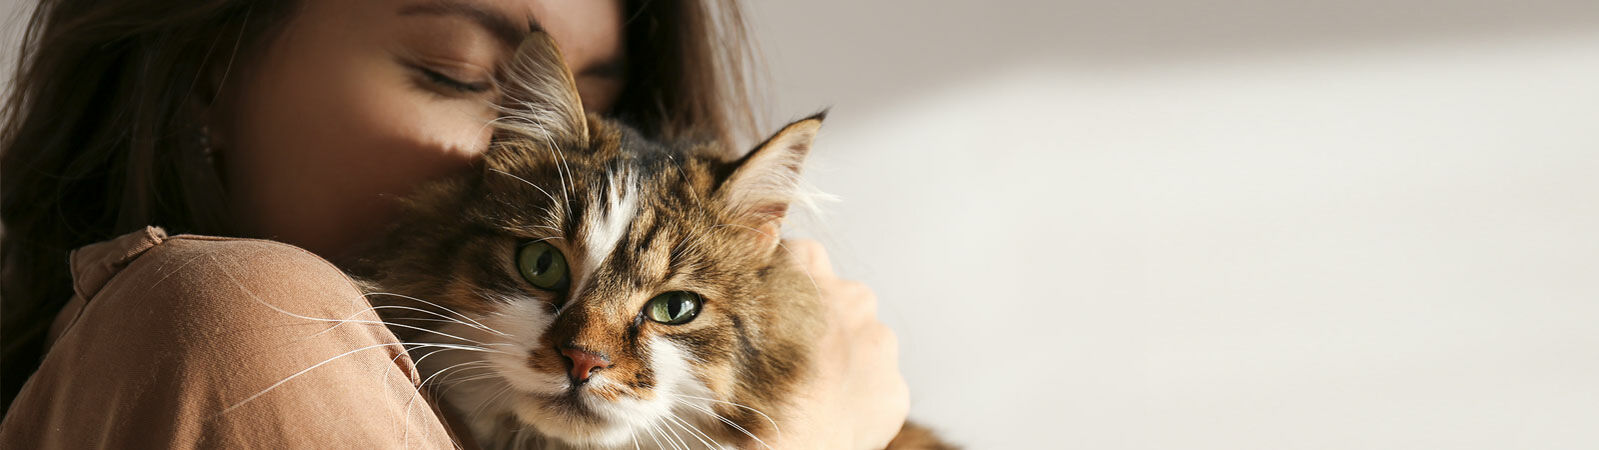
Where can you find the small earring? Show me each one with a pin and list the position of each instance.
(206, 148)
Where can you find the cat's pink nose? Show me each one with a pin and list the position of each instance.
(583, 362)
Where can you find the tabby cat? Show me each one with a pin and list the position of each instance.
(593, 288)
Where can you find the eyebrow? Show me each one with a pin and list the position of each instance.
(496, 23)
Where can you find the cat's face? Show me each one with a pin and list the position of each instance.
(603, 289)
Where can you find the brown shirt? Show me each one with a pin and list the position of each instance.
(194, 341)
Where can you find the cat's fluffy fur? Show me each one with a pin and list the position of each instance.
(634, 218)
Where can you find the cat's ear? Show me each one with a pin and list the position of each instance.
(764, 183)
(540, 94)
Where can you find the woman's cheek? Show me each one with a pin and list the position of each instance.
(407, 140)
(321, 168)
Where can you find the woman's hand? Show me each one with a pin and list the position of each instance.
(857, 398)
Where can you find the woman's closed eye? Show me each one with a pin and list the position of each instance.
(437, 81)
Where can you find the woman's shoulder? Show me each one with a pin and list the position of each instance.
(206, 275)
(215, 340)
(195, 258)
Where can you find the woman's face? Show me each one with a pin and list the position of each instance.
(356, 102)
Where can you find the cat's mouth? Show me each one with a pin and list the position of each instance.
(571, 402)
(572, 416)
(583, 399)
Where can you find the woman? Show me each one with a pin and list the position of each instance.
(297, 122)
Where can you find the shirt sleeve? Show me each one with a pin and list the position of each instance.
(215, 342)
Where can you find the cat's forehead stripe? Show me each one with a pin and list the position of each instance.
(606, 228)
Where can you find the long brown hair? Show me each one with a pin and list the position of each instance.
(101, 129)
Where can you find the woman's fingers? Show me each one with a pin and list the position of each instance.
(856, 300)
(811, 256)
(858, 398)
(880, 384)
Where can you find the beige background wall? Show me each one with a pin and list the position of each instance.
(1234, 224)
(12, 21)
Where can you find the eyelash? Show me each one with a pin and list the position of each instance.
(446, 82)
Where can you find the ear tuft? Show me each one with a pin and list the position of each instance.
(540, 95)
(765, 182)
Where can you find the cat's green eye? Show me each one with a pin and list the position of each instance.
(542, 265)
(673, 308)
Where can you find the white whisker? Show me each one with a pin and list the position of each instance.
(390, 324)
(442, 318)
(435, 305)
(653, 437)
(726, 421)
(664, 436)
(668, 426)
(412, 402)
(757, 411)
(505, 389)
(693, 431)
(329, 360)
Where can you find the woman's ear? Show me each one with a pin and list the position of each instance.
(762, 185)
(540, 95)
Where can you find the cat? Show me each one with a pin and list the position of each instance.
(592, 288)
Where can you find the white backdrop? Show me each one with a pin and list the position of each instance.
(1156, 224)
(1232, 224)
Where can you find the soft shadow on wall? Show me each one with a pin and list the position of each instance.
(842, 52)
